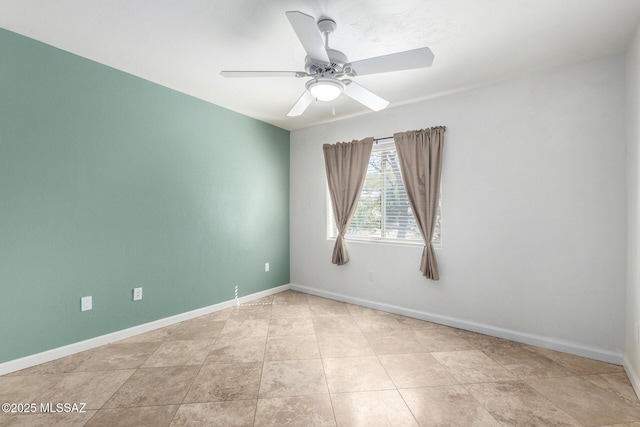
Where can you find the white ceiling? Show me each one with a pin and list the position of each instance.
(184, 44)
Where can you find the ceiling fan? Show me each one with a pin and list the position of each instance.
(327, 67)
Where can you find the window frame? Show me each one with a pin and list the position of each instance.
(332, 231)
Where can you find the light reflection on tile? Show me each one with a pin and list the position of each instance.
(416, 370)
(447, 406)
(356, 374)
(372, 408)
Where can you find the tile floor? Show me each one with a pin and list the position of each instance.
(296, 359)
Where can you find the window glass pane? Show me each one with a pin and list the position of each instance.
(367, 221)
(399, 223)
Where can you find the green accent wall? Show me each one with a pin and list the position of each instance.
(110, 182)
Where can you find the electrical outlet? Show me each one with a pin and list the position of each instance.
(371, 277)
(266, 267)
(86, 304)
(637, 333)
(137, 294)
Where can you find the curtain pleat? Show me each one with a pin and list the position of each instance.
(420, 158)
(346, 164)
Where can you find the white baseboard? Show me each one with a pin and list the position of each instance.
(68, 350)
(633, 376)
(522, 337)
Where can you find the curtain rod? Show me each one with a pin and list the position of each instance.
(390, 137)
(381, 139)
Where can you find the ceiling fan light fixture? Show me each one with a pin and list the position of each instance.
(325, 89)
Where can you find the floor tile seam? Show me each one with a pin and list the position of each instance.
(501, 365)
(143, 361)
(159, 405)
(555, 405)
(464, 387)
(408, 407)
(92, 417)
(39, 396)
(390, 378)
(88, 372)
(624, 401)
(457, 382)
(521, 378)
(13, 374)
(174, 412)
(326, 383)
(185, 339)
(348, 357)
(490, 381)
(504, 366)
(117, 390)
(333, 410)
(179, 365)
(292, 360)
(255, 410)
(609, 373)
(177, 405)
(358, 326)
(295, 303)
(40, 399)
(292, 335)
(193, 380)
(204, 361)
(289, 317)
(366, 390)
(288, 396)
(331, 395)
(134, 370)
(262, 372)
(566, 366)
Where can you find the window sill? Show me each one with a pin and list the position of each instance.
(385, 242)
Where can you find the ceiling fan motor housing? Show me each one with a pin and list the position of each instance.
(335, 68)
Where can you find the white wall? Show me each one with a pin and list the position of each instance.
(632, 353)
(533, 208)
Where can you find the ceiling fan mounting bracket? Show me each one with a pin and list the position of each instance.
(327, 26)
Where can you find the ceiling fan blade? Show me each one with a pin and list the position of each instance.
(407, 60)
(301, 104)
(263, 73)
(307, 30)
(365, 97)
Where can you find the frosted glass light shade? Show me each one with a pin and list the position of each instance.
(325, 89)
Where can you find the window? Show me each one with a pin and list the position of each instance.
(383, 212)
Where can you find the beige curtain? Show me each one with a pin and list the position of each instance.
(420, 158)
(346, 164)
